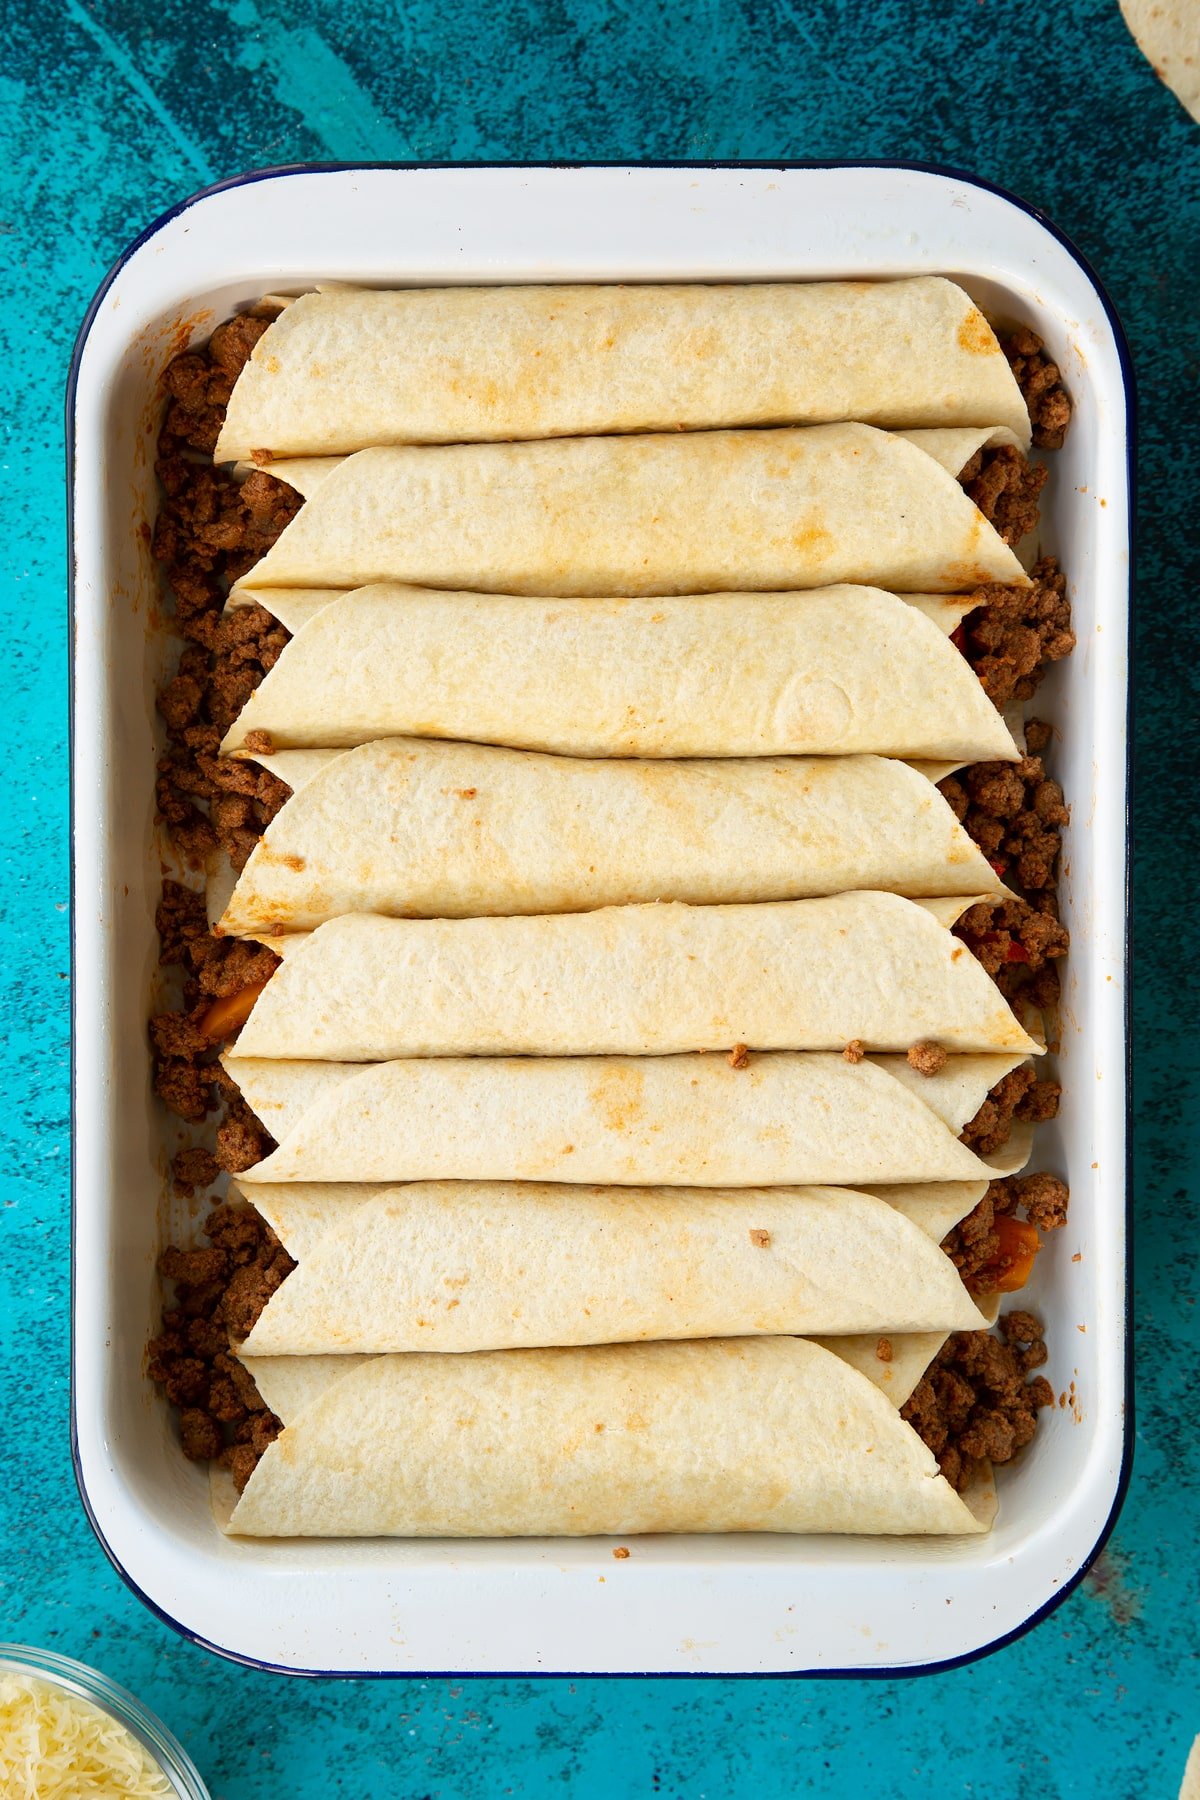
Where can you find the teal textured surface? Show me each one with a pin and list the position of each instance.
(110, 113)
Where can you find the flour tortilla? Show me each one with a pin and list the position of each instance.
(459, 1266)
(690, 512)
(836, 671)
(1168, 35)
(744, 1434)
(679, 1121)
(347, 368)
(637, 980)
(420, 828)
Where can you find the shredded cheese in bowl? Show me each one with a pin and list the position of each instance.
(69, 1733)
(56, 1746)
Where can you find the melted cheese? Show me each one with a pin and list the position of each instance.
(54, 1746)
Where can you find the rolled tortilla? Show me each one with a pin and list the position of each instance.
(421, 828)
(743, 1434)
(680, 1121)
(686, 513)
(347, 368)
(458, 1266)
(637, 980)
(837, 671)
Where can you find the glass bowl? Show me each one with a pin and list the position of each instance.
(89, 1684)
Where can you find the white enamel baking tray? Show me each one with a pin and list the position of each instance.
(758, 1605)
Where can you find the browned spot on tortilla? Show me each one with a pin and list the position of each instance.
(976, 336)
(466, 794)
(618, 1097)
(966, 575)
(698, 346)
(759, 1238)
(260, 458)
(813, 538)
(265, 852)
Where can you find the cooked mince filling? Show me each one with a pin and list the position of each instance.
(1005, 486)
(977, 1400)
(1015, 812)
(211, 529)
(1013, 634)
(222, 979)
(993, 1249)
(1020, 1095)
(1041, 387)
(219, 1293)
(1019, 943)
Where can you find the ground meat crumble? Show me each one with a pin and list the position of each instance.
(1041, 387)
(1013, 634)
(187, 1075)
(219, 1293)
(1005, 486)
(974, 1246)
(1019, 943)
(210, 530)
(1020, 1095)
(240, 799)
(1014, 811)
(976, 1402)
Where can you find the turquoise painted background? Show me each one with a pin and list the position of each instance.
(111, 111)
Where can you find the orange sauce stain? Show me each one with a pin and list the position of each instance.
(975, 335)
